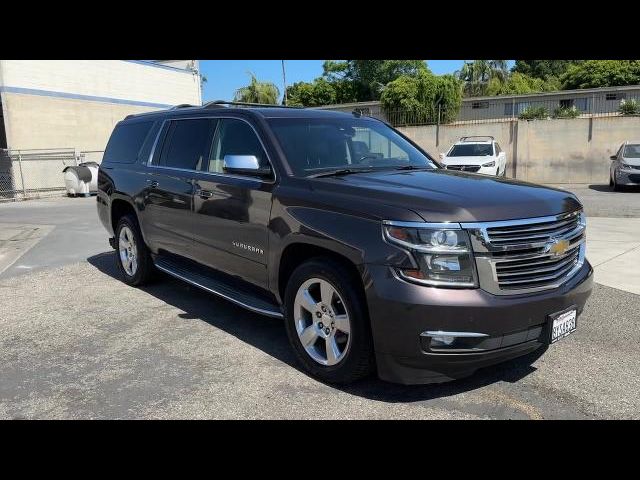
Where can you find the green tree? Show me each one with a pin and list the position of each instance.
(477, 74)
(543, 69)
(368, 78)
(305, 94)
(518, 83)
(418, 98)
(601, 73)
(257, 92)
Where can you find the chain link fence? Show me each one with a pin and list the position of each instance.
(38, 173)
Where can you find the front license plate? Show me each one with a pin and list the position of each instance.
(563, 324)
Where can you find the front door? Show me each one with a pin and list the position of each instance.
(231, 212)
(182, 148)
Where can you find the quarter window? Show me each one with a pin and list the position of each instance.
(126, 141)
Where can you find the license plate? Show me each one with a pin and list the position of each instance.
(563, 324)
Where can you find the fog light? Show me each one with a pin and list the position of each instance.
(442, 340)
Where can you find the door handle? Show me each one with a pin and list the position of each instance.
(204, 193)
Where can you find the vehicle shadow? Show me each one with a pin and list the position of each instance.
(268, 335)
(606, 188)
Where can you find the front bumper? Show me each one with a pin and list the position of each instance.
(514, 325)
(628, 177)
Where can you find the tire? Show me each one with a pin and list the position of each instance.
(140, 270)
(354, 357)
(616, 187)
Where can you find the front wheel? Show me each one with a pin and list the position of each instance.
(327, 322)
(616, 187)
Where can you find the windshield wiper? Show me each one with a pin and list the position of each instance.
(412, 167)
(339, 171)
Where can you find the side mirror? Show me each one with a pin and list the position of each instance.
(245, 165)
(442, 156)
(613, 157)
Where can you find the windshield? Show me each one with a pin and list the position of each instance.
(313, 145)
(471, 150)
(632, 151)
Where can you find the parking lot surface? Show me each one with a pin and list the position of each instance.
(76, 342)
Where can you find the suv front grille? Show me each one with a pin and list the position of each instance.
(464, 168)
(535, 272)
(531, 232)
(522, 256)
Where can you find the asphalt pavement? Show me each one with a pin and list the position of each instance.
(76, 342)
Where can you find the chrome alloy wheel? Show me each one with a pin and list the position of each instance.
(128, 251)
(322, 322)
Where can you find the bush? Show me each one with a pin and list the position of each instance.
(534, 113)
(630, 107)
(566, 112)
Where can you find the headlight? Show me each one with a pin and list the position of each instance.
(443, 255)
(489, 164)
(625, 166)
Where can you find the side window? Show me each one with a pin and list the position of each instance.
(187, 144)
(498, 150)
(235, 137)
(367, 143)
(126, 141)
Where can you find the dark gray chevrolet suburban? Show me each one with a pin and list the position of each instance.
(376, 257)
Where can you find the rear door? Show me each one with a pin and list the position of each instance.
(231, 212)
(182, 148)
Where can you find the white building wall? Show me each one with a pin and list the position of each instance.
(114, 79)
(76, 103)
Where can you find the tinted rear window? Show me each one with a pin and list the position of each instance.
(126, 141)
(187, 144)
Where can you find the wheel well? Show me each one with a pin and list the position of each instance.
(297, 253)
(119, 208)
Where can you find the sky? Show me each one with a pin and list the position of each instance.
(224, 77)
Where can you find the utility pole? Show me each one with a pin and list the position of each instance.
(284, 82)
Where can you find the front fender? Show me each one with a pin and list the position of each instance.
(358, 239)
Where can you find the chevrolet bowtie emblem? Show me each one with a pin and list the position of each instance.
(558, 247)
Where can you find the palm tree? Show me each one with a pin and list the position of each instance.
(257, 92)
(477, 74)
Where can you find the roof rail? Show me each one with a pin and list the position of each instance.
(222, 103)
(465, 139)
(182, 105)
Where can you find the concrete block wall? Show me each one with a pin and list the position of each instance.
(544, 151)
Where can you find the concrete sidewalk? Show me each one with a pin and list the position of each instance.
(613, 248)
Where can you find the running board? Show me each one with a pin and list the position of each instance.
(214, 283)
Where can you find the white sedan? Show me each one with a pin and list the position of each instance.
(477, 155)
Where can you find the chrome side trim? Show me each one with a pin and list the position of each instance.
(261, 311)
(432, 333)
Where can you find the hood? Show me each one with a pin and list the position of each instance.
(631, 161)
(443, 195)
(477, 160)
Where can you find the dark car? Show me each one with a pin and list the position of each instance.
(376, 257)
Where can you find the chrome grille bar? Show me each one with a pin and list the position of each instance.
(515, 257)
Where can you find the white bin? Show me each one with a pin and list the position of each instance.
(77, 180)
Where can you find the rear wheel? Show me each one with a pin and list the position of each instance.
(133, 257)
(327, 322)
